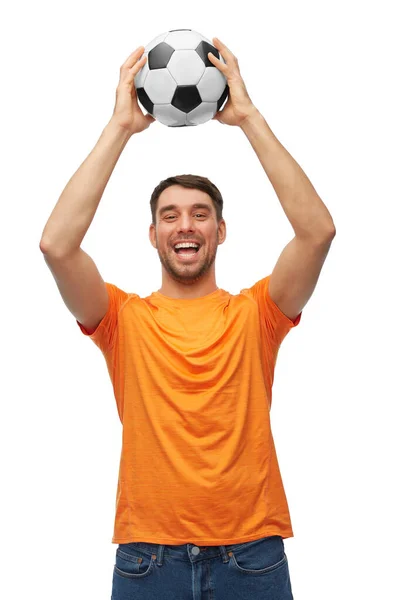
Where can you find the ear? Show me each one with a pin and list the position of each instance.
(152, 235)
(222, 231)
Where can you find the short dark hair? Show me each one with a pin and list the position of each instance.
(188, 181)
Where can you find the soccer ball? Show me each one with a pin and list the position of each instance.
(178, 85)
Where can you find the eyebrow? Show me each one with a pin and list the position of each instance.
(174, 206)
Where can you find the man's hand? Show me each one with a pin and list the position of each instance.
(239, 105)
(127, 112)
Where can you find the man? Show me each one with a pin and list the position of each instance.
(201, 507)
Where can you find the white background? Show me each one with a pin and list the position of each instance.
(325, 76)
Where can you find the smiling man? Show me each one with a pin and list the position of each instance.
(201, 510)
(186, 233)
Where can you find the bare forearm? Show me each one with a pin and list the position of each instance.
(77, 205)
(303, 207)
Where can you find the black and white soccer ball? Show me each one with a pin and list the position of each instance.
(178, 85)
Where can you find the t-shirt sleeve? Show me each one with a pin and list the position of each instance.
(276, 322)
(105, 334)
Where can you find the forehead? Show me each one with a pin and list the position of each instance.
(183, 197)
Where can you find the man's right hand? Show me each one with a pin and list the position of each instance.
(127, 112)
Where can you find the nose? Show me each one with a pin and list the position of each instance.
(186, 223)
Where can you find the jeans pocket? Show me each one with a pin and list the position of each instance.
(132, 563)
(257, 558)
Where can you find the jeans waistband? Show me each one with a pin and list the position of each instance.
(191, 552)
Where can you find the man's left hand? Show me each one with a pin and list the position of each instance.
(239, 105)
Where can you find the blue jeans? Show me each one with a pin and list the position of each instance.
(254, 570)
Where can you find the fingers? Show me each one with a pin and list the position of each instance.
(229, 58)
(218, 43)
(132, 66)
(133, 71)
(224, 50)
(132, 58)
(218, 63)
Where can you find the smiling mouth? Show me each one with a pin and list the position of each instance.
(187, 255)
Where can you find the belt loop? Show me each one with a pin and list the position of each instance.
(224, 553)
(160, 554)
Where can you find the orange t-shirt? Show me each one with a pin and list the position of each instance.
(192, 380)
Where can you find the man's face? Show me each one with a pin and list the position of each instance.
(186, 222)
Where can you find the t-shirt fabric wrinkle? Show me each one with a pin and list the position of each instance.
(192, 380)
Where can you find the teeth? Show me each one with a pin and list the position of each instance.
(186, 245)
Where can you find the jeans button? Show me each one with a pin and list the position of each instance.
(195, 550)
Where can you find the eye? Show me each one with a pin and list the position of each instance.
(197, 215)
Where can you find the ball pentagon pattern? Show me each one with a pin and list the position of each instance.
(178, 85)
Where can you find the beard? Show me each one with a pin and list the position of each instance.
(188, 273)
